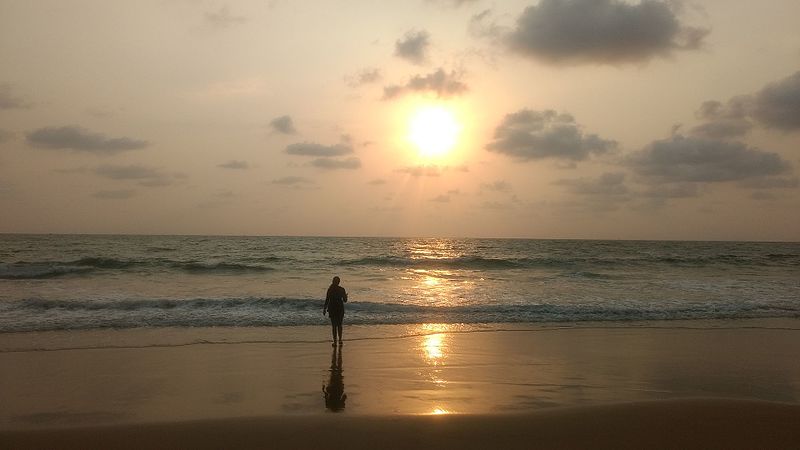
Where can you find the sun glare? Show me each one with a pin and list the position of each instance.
(434, 130)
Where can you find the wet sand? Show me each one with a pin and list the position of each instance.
(728, 383)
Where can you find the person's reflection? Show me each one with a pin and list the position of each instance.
(334, 391)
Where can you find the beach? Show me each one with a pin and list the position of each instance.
(676, 384)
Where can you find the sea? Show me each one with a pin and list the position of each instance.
(85, 282)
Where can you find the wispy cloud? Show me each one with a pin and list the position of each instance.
(82, 140)
(234, 164)
(364, 76)
(120, 194)
(143, 175)
(10, 100)
(223, 18)
(441, 83)
(319, 150)
(333, 164)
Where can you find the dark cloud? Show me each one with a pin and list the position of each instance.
(601, 31)
(771, 183)
(413, 46)
(319, 150)
(283, 125)
(607, 184)
(778, 104)
(364, 76)
(223, 18)
(121, 194)
(10, 100)
(527, 135)
(292, 181)
(233, 164)
(145, 176)
(439, 82)
(723, 121)
(333, 164)
(82, 140)
(690, 159)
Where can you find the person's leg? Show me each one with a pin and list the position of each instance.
(339, 321)
(333, 329)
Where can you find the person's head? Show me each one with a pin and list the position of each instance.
(335, 281)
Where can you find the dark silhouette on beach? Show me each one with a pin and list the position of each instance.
(334, 391)
(334, 305)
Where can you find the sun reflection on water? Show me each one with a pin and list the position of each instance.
(433, 347)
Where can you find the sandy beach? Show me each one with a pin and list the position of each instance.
(720, 384)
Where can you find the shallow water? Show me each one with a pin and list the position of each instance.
(61, 282)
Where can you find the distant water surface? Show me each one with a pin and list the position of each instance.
(61, 282)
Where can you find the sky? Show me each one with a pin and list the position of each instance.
(587, 119)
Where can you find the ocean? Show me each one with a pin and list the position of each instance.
(81, 282)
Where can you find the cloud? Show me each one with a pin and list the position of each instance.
(292, 181)
(413, 46)
(377, 182)
(421, 171)
(439, 82)
(146, 176)
(763, 196)
(528, 135)
(82, 140)
(121, 194)
(364, 76)
(723, 121)
(690, 159)
(442, 198)
(482, 25)
(319, 150)
(601, 31)
(234, 164)
(223, 18)
(9, 100)
(607, 184)
(454, 3)
(497, 186)
(778, 104)
(495, 206)
(771, 183)
(333, 164)
(672, 190)
(283, 125)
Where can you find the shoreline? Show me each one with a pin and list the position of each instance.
(155, 337)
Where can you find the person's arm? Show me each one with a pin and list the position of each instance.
(325, 306)
(344, 295)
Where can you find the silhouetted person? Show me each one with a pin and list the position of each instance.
(334, 391)
(334, 305)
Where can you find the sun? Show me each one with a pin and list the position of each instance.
(434, 131)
